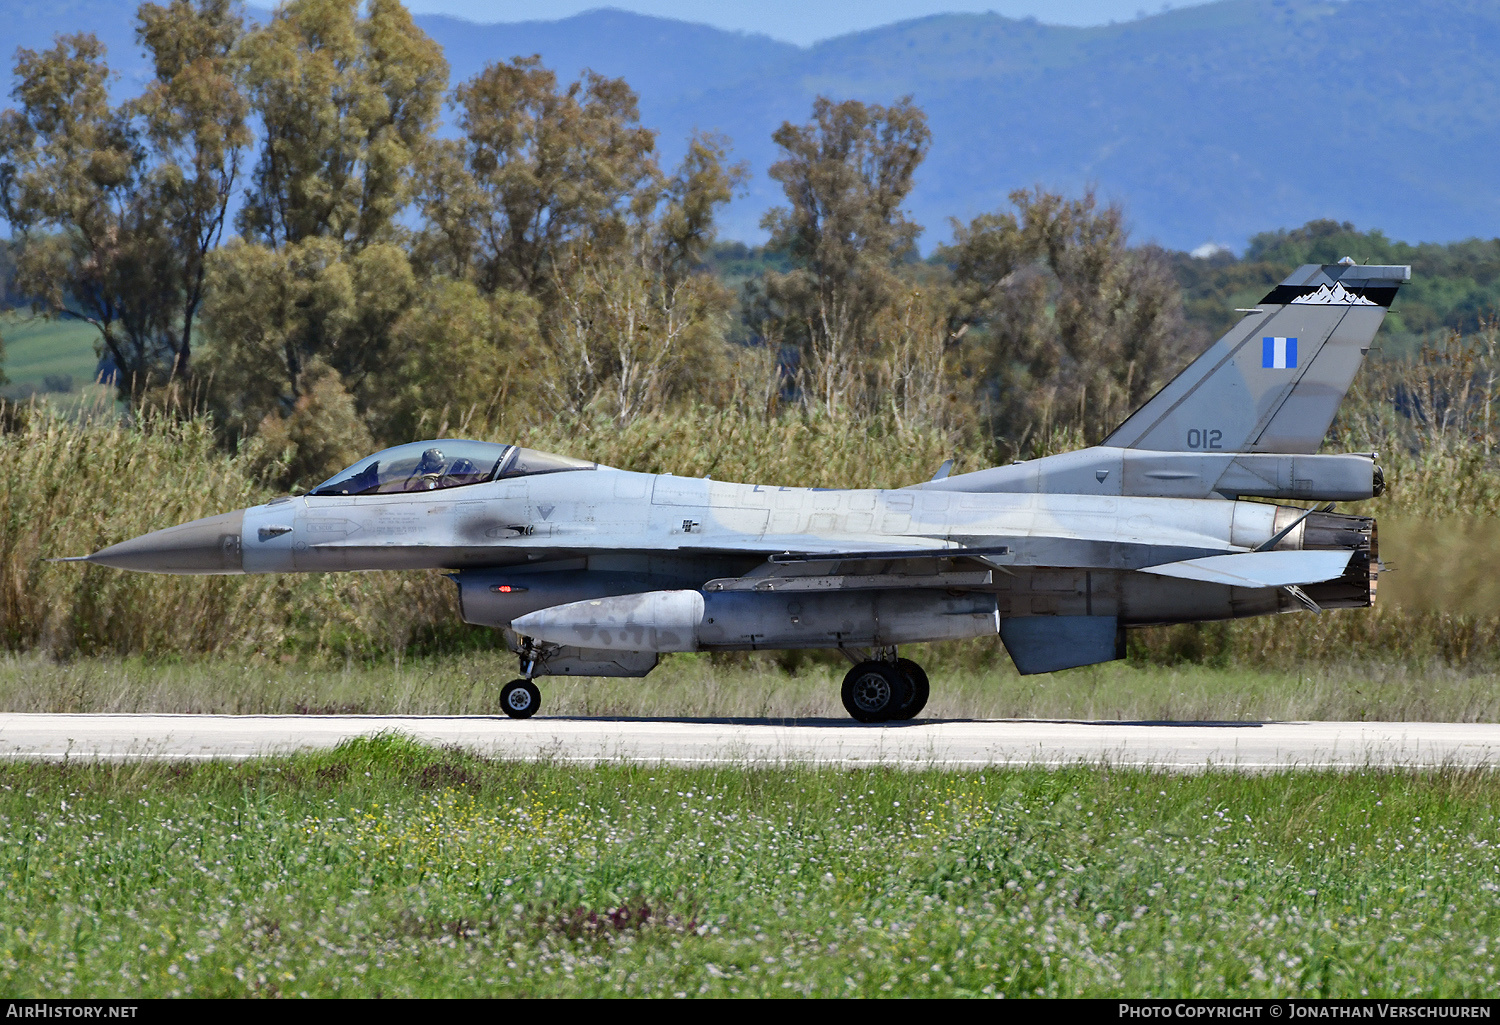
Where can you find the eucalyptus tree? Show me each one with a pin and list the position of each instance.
(633, 322)
(845, 175)
(115, 207)
(193, 120)
(555, 194)
(539, 169)
(347, 105)
(1075, 327)
(312, 296)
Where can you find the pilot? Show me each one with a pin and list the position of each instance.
(428, 472)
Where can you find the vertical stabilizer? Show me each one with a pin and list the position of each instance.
(1274, 382)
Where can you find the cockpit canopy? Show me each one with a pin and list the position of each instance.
(447, 463)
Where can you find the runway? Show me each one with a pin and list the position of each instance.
(1241, 746)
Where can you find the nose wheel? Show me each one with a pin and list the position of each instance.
(520, 699)
(885, 691)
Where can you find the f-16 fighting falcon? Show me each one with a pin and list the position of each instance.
(595, 571)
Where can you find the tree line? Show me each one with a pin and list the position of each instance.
(275, 231)
(1455, 286)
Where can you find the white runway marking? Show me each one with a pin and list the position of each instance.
(921, 744)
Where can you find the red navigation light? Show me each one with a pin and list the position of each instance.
(506, 589)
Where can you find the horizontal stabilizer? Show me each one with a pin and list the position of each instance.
(1259, 569)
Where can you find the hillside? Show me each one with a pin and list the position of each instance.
(1212, 122)
(1208, 123)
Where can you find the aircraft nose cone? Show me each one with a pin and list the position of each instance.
(209, 545)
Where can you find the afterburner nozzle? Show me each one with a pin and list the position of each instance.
(209, 545)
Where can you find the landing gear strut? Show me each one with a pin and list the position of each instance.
(520, 698)
(885, 690)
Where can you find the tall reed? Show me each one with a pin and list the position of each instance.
(68, 488)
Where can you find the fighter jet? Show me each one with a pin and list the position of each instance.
(596, 571)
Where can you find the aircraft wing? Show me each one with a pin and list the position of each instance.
(844, 547)
(904, 554)
(794, 547)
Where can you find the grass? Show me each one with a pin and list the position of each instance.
(695, 686)
(388, 869)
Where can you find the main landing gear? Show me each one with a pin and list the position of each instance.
(885, 689)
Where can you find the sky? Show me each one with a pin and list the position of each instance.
(801, 21)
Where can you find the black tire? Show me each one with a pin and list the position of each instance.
(874, 691)
(520, 699)
(920, 688)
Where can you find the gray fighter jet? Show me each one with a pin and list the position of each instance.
(595, 571)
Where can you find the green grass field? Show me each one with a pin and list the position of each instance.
(700, 686)
(387, 869)
(36, 348)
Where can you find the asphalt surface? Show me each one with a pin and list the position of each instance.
(1243, 746)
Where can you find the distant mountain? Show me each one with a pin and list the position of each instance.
(1208, 123)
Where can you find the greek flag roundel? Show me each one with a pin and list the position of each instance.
(1278, 353)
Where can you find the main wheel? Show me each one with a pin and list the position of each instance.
(874, 691)
(920, 689)
(520, 699)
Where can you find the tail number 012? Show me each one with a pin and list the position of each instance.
(1205, 438)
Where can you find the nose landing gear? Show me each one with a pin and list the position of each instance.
(520, 698)
(885, 689)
